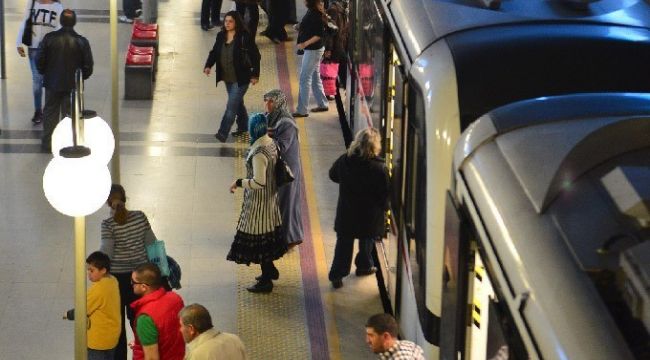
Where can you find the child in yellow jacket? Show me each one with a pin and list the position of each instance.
(103, 308)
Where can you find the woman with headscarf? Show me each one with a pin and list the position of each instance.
(283, 129)
(258, 239)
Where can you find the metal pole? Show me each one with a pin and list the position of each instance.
(80, 318)
(3, 57)
(115, 116)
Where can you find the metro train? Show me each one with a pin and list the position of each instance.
(517, 136)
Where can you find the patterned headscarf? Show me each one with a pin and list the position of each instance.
(257, 126)
(280, 108)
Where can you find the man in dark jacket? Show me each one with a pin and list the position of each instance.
(62, 53)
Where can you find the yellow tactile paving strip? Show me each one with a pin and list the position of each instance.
(273, 326)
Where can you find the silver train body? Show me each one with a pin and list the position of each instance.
(518, 142)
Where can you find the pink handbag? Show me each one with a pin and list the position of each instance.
(328, 73)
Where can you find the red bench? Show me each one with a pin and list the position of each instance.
(139, 76)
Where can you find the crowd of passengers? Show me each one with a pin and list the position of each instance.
(123, 281)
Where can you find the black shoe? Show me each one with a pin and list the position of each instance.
(297, 114)
(207, 27)
(216, 24)
(331, 97)
(337, 284)
(320, 109)
(38, 118)
(366, 272)
(263, 287)
(239, 132)
(274, 276)
(220, 137)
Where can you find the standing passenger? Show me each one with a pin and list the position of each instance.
(103, 308)
(250, 6)
(283, 129)
(381, 336)
(61, 54)
(45, 19)
(363, 196)
(204, 342)
(233, 48)
(310, 40)
(210, 14)
(259, 239)
(156, 328)
(124, 238)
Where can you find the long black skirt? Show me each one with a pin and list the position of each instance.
(257, 248)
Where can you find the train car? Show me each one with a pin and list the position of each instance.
(424, 71)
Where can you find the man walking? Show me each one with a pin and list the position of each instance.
(204, 342)
(62, 52)
(156, 329)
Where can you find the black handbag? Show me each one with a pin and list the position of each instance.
(283, 173)
(27, 32)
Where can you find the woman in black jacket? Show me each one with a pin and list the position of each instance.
(363, 199)
(237, 61)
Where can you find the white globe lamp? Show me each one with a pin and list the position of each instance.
(76, 186)
(98, 136)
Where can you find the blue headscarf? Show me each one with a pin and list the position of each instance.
(257, 126)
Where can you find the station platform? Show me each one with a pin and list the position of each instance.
(174, 170)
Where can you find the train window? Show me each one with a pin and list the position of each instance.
(369, 57)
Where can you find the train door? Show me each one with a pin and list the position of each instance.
(491, 332)
(392, 128)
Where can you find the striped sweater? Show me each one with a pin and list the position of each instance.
(125, 244)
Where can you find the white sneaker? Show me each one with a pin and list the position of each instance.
(124, 19)
(138, 13)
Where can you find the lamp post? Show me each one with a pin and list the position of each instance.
(76, 183)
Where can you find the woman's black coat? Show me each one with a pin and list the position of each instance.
(363, 196)
(241, 41)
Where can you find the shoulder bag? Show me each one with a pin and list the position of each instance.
(283, 173)
(27, 32)
(246, 58)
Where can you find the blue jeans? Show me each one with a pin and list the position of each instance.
(342, 261)
(310, 78)
(234, 109)
(37, 79)
(100, 354)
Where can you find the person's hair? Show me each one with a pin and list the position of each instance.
(383, 323)
(99, 260)
(313, 5)
(117, 189)
(367, 144)
(197, 316)
(149, 274)
(68, 18)
(240, 25)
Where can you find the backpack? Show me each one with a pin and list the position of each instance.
(174, 277)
